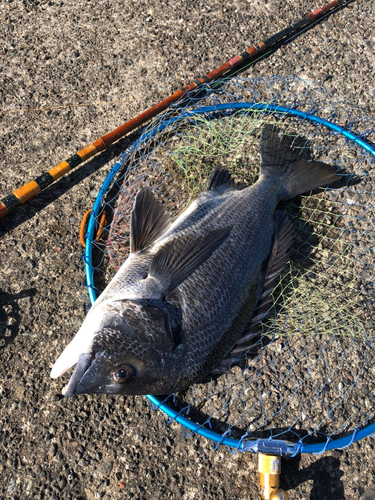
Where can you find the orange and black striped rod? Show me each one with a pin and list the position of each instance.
(29, 190)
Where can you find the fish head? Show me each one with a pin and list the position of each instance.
(130, 351)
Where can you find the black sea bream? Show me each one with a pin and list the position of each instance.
(187, 292)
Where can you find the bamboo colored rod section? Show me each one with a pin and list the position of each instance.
(29, 190)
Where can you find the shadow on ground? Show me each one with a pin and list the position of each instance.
(10, 314)
(327, 485)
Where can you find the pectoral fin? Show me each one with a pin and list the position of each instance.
(149, 220)
(178, 259)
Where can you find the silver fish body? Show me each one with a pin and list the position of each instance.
(183, 298)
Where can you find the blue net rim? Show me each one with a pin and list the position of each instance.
(259, 445)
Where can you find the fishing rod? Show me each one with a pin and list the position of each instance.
(32, 188)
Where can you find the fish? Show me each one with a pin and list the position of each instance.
(184, 303)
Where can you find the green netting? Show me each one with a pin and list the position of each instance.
(309, 376)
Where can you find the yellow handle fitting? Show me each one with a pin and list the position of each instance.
(269, 468)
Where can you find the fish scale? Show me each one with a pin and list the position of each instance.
(230, 271)
(189, 289)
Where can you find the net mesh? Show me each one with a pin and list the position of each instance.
(310, 375)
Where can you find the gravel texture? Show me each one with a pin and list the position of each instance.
(70, 72)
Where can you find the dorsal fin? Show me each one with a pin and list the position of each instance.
(148, 220)
(219, 177)
(276, 264)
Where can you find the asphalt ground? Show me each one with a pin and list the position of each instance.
(71, 72)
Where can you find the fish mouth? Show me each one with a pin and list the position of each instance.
(83, 363)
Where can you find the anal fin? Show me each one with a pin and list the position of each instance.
(276, 264)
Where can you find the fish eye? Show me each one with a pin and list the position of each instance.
(124, 373)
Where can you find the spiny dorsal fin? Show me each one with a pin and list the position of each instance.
(178, 259)
(148, 220)
(276, 264)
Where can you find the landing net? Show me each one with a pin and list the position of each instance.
(308, 383)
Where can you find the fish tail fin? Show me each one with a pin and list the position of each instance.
(295, 173)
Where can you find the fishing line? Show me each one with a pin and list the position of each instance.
(66, 106)
(234, 73)
(289, 39)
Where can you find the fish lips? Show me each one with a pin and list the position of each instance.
(88, 376)
(83, 363)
